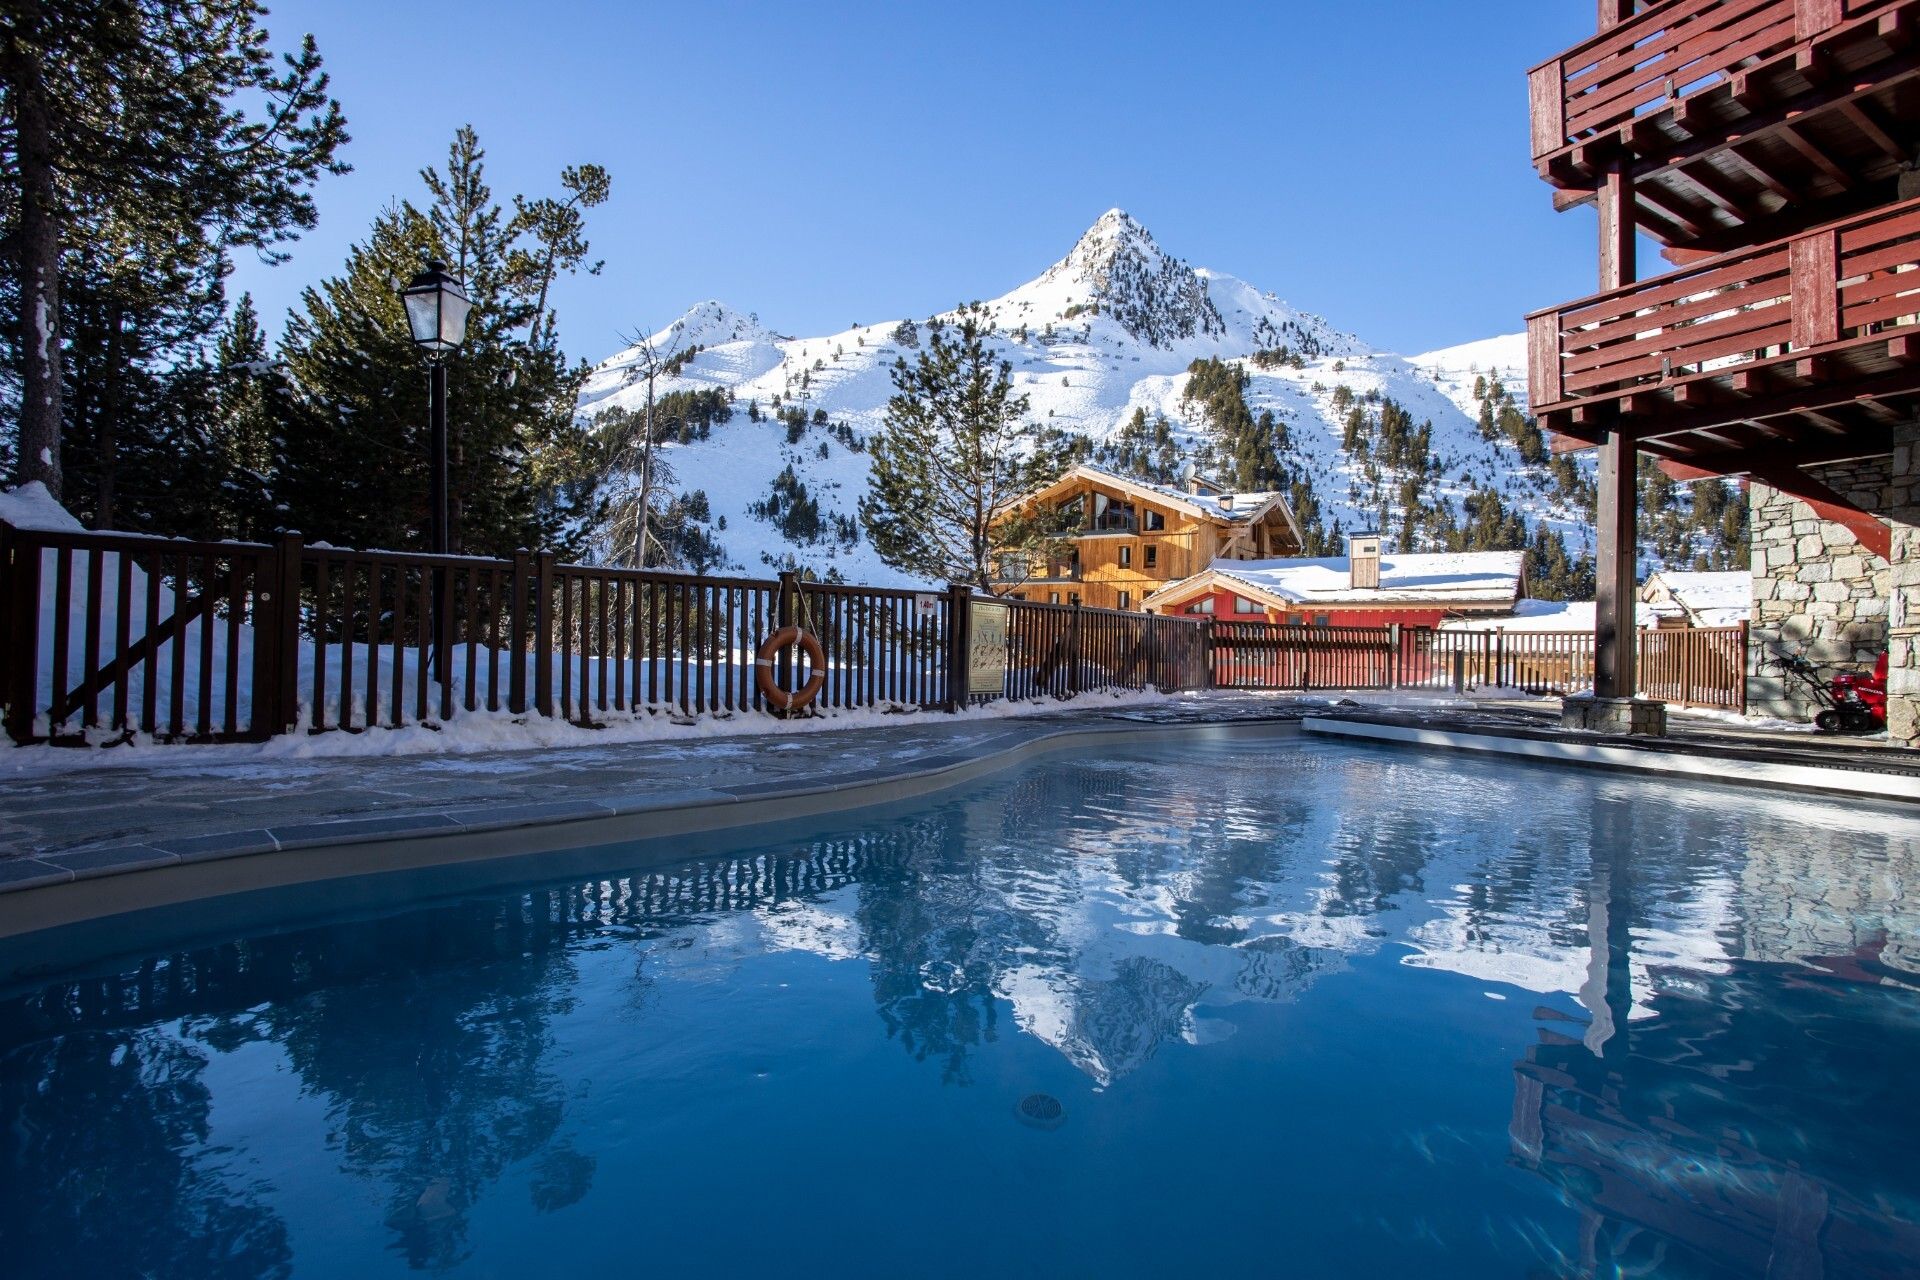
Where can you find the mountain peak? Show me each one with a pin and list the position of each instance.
(1156, 298)
(1113, 233)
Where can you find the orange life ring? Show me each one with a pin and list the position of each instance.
(789, 699)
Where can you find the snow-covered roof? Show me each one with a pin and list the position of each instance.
(1543, 615)
(1222, 508)
(1445, 578)
(1704, 599)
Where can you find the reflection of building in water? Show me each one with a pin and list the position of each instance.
(1805, 903)
(1758, 1120)
(1770, 890)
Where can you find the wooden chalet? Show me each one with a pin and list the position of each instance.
(1135, 537)
(1769, 148)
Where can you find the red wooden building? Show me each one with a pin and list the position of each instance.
(1768, 147)
(1366, 588)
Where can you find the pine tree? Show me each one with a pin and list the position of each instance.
(353, 456)
(948, 463)
(251, 401)
(144, 143)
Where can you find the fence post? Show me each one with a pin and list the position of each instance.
(1740, 669)
(1393, 655)
(1460, 670)
(543, 633)
(1073, 651)
(277, 640)
(21, 560)
(786, 614)
(517, 631)
(959, 644)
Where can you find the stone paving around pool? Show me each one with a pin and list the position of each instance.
(190, 804)
(91, 821)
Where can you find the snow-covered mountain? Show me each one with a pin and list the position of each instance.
(1109, 329)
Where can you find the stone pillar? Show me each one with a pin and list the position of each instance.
(1903, 596)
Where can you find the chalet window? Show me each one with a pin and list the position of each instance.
(1153, 554)
(1319, 619)
(1126, 557)
(1126, 599)
(1152, 522)
(1243, 605)
(1073, 597)
(1201, 606)
(1296, 619)
(1053, 597)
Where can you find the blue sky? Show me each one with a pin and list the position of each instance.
(827, 164)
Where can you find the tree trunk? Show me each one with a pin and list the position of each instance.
(109, 436)
(39, 258)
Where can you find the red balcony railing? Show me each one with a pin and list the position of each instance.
(1846, 288)
(1667, 53)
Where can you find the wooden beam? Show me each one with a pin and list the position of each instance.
(1765, 176)
(1878, 411)
(1716, 189)
(1867, 529)
(1895, 29)
(1900, 382)
(1856, 115)
(1676, 212)
(1815, 156)
(1618, 246)
(1618, 589)
(1785, 455)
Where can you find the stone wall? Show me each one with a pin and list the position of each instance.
(1815, 589)
(1903, 649)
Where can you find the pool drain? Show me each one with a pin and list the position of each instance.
(1042, 1111)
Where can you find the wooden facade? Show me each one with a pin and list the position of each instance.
(1135, 538)
(1768, 147)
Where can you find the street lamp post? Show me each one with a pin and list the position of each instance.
(437, 307)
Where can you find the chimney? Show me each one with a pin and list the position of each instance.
(1226, 502)
(1363, 557)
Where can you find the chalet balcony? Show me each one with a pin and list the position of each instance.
(1057, 571)
(1807, 344)
(1735, 117)
(1111, 521)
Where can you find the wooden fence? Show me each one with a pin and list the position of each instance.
(209, 642)
(1698, 667)
(105, 634)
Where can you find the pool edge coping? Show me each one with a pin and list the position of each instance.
(1812, 780)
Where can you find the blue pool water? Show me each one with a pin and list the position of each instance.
(1306, 1010)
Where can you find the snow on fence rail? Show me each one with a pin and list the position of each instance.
(109, 634)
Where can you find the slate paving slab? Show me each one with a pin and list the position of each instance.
(180, 809)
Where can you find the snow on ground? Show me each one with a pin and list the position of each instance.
(472, 732)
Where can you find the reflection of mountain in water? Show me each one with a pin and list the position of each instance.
(1114, 909)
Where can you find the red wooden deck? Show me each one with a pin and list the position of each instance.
(1732, 114)
(1805, 342)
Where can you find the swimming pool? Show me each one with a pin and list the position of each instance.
(1290, 1008)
